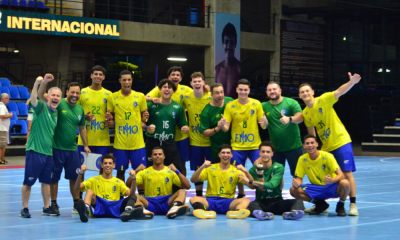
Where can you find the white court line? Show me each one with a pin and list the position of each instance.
(322, 229)
(376, 193)
(383, 160)
(377, 184)
(393, 176)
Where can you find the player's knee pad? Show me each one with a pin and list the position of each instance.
(198, 205)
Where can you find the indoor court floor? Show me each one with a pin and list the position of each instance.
(378, 195)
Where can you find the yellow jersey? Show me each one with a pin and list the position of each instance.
(330, 129)
(181, 90)
(220, 183)
(96, 103)
(157, 183)
(194, 107)
(317, 169)
(244, 124)
(109, 189)
(128, 119)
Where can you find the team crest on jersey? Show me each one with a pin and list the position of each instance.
(230, 179)
(181, 96)
(173, 114)
(79, 117)
(166, 180)
(323, 166)
(272, 174)
(135, 104)
(320, 110)
(283, 111)
(105, 100)
(114, 188)
(252, 111)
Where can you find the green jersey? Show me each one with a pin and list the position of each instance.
(284, 137)
(69, 118)
(30, 109)
(43, 124)
(165, 118)
(272, 181)
(209, 118)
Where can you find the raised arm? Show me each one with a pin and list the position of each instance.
(34, 93)
(79, 186)
(354, 79)
(196, 175)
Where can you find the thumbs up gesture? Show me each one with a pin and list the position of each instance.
(284, 119)
(109, 116)
(89, 117)
(354, 78)
(222, 122)
(263, 121)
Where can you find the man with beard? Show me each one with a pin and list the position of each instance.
(128, 107)
(39, 150)
(65, 152)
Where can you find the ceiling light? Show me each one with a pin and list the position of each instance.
(178, 59)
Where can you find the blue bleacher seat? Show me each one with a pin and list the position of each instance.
(5, 82)
(41, 5)
(22, 108)
(14, 3)
(4, 2)
(23, 3)
(31, 4)
(12, 106)
(14, 116)
(5, 90)
(24, 128)
(14, 93)
(24, 93)
(12, 122)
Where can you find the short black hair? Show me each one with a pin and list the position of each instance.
(74, 84)
(125, 72)
(267, 144)
(214, 85)
(229, 30)
(167, 81)
(98, 68)
(244, 82)
(309, 136)
(108, 156)
(223, 146)
(156, 148)
(175, 69)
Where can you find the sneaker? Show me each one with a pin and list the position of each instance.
(74, 211)
(320, 207)
(132, 213)
(293, 215)
(25, 213)
(177, 211)
(83, 210)
(240, 214)
(260, 215)
(200, 213)
(146, 215)
(353, 210)
(49, 212)
(308, 210)
(340, 209)
(56, 208)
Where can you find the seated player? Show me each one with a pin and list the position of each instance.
(103, 194)
(267, 182)
(158, 181)
(327, 180)
(222, 180)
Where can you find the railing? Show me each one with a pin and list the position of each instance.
(67, 7)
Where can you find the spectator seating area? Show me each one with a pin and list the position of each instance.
(24, 4)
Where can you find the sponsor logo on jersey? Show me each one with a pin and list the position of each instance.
(254, 104)
(182, 89)
(218, 115)
(154, 106)
(31, 178)
(176, 106)
(319, 101)
(106, 93)
(116, 98)
(116, 105)
(64, 111)
(213, 168)
(346, 161)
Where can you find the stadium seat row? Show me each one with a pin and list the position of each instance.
(18, 109)
(24, 4)
(24, 127)
(16, 92)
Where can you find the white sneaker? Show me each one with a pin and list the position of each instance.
(308, 210)
(74, 211)
(146, 215)
(177, 211)
(353, 210)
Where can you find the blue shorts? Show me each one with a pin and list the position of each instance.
(158, 205)
(106, 209)
(122, 157)
(219, 204)
(103, 150)
(321, 191)
(239, 157)
(345, 157)
(183, 148)
(198, 155)
(69, 160)
(37, 165)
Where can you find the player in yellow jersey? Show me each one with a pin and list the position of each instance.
(320, 114)
(175, 74)
(93, 99)
(200, 147)
(128, 107)
(242, 116)
(222, 180)
(103, 194)
(158, 181)
(327, 180)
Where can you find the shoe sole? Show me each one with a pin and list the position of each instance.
(244, 213)
(307, 210)
(24, 216)
(136, 213)
(298, 214)
(146, 216)
(81, 207)
(182, 210)
(318, 213)
(199, 213)
(270, 217)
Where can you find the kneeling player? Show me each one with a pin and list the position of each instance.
(103, 194)
(325, 176)
(222, 180)
(158, 181)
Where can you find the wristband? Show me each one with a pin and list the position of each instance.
(177, 172)
(260, 169)
(215, 130)
(251, 182)
(145, 128)
(260, 176)
(290, 119)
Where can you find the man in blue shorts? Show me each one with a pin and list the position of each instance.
(39, 149)
(158, 181)
(102, 197)
(327, 180)
(222, 180)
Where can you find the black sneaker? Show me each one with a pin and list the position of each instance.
(82, 210)
(56, 208)
(49, 212)
(340, 209)
(320, 207)
(133, 213)
(25, 213)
